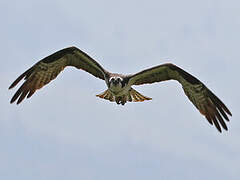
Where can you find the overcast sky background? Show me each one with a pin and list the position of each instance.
(64, 132)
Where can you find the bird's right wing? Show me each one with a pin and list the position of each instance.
(48, 68)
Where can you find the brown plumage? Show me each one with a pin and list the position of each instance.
(119, 86)
(203, 99)
(48, 68)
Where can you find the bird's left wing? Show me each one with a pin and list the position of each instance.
(48, 68)
(204, 100)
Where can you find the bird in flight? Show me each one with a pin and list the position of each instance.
(119, 87)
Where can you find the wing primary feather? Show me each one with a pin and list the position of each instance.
(216, 123)
(17, 94)
(22, 96)
(220, 119)
(207, 115)
(25, 74)
(223, 113)
(220, 109)
(219, 102)
(209, 119)
(32, 91)
(215, 115)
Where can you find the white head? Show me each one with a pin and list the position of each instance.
(118, 84)
(115, 82)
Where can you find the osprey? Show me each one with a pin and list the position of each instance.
(119, 87)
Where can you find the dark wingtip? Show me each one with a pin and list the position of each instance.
(10, 87)
(16, 82)
(13, 100)
(229, 113)
(227, 110)
(220, 103)
(25, 74)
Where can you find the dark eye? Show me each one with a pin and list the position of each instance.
(118, 79)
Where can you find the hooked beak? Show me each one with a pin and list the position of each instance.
(115, 82)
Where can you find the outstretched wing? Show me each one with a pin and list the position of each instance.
(204, 100)
(48, 68)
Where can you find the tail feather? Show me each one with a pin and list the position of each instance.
(132, 95)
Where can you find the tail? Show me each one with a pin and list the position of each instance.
(132, 95)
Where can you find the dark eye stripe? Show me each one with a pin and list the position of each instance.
(124, 81)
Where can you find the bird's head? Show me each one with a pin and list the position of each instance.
(115, 81)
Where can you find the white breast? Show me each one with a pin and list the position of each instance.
(118, 90)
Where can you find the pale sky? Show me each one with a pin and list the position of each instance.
(64, 132)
